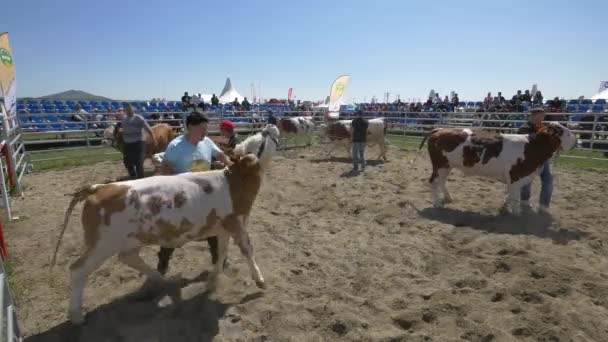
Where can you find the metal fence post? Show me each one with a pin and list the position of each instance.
(593, 130)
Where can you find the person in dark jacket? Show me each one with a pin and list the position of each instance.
(537, 115)
(359, 140)
(271, 118)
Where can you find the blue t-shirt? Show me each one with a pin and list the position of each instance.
(185, 157)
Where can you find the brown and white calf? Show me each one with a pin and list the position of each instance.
(513, 159)
(339, 134)
(167, 211)
(297, 127)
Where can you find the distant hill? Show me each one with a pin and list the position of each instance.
(78, 95)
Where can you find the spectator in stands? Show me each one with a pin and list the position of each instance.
(487, 102)
(235, 104)
(246, 105)
(195, 100)
(526, 97)
(78, 114)
(359, 140)
(556, 105)
(538, 99)
(214, 100)
(455, 102)
(516, 101)
(134, 149)
(537, 115)
(499, 100)
(437, 101)
(191, 152)
(186, 101)
(445, 106)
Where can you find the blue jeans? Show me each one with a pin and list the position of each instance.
(358, 155)
(546, 190)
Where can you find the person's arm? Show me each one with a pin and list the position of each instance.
(148, 129)
(217, 153)
(169, 160)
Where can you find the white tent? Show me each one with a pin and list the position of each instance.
(601, 95)
(229, 93)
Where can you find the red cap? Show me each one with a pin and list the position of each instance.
(227, 125)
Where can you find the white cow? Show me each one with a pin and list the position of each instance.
(513, 159)
(339, 134)
(169, 211)
(299, 127)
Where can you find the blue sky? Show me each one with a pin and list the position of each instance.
(144, 49)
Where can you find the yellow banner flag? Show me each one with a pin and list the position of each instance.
(337, 90)
(8, 84)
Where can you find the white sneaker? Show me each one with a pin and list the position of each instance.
(525, 206)
(544, 210)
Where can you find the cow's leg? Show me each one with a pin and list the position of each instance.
(438, 179)
(443, 176)
(383, 150)
(222, 252)
(512, 203)
(246, 248)
(132, 259)
(80, 270)
(164, 255)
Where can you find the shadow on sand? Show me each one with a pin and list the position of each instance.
(535, 224)
(137, 317)
(372, 162)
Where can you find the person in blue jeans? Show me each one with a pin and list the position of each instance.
(359, 139)
(537, 115)
(191, 152)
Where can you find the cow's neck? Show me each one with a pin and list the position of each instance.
(243, 190)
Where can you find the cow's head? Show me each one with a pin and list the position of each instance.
(558, 132)
(113, 136)
(108, 136)
(263, 145)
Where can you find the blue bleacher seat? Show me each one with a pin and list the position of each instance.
(573, 102)
(586, 102)
(583, 109)
(600, 102)
(597, 108)
(571, 108)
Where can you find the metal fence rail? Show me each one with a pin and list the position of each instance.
(9, 325)
(592, 134)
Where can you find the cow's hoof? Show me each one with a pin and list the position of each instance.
(448, 200)
(260, 284)
(76, 317)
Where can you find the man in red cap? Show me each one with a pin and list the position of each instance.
(227, 130)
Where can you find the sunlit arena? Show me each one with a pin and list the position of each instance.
(300, 207)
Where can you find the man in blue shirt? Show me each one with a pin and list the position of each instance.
(191, 152)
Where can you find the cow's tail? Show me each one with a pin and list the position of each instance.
(77, 197)
(426, 136)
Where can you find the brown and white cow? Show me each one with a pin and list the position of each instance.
(163, 134)
(169, 211)
(513, 159)
(339, 133)
(297, 127)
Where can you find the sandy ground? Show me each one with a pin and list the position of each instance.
(346, 259)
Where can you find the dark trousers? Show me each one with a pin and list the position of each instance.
(165, 254)
(133, 158)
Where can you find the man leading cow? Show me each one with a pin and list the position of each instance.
(191, 152)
